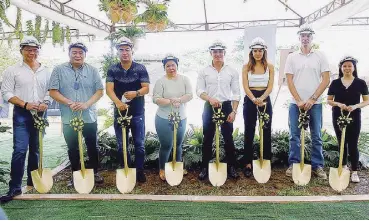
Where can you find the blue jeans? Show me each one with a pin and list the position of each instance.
(137, 129)
(25, 137)
(165, 134)
(315, 124)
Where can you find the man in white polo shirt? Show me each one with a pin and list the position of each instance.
(25, 85)
(307, 73)
(218, 85)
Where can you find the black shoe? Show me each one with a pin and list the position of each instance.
(247, 171)
(203, 174)
(70, 183)
(232, 173)
(99, 179)
(140, 176)
(10, 195)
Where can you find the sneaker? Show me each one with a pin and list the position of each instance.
(9, 196)
(98, 178)
(247, 172)
(70, 183)
(319, 172)
(162, 175)
(289, 171)
(140, 176)
(355, 177)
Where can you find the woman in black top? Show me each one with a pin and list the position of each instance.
(344, 94)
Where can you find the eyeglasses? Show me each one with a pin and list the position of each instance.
(124, 49)
(28, 50)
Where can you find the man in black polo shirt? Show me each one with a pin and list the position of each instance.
(126, 84)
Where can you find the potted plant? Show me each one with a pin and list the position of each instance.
(155, 16)
(119, 10)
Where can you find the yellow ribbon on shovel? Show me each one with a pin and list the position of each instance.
(174, 169)
(126, 177)
(339, 178)
(42, 178)
(301, 172)
(261, 167)
(217, 170)
(83, 179)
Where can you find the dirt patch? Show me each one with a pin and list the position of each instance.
(278, 185)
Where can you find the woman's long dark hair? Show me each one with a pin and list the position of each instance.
(252, 62)
(340, 73)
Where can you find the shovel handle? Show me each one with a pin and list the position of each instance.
(80, 147)
(302, 149)
(342, 145)
(40, 145)
(124, 141)
(217, 146)
(174, 146)
(261, 135)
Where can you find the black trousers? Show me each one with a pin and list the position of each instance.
(250, 117)
(71, 138)
(209, 132)
(351, 137)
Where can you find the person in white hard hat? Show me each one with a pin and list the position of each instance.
(25, 85)
(126, 84)
(307, 72)
(344, 96)
(218, 85)
(258, 79)
(171, 93)
(77, 86)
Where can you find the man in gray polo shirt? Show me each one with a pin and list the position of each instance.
(307, 73)
(77, 86)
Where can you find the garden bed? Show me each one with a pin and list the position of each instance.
(278, 185)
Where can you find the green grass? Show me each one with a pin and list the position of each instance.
(130, 209)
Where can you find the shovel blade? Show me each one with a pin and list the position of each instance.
(174, 175)
(217, 177)
(84, 184)
(301, 177)
(261, 172)
(126, 183)
(44, 183)
(337, 182)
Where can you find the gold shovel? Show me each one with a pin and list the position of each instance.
(217, 170)
(339, 178)
(174, 170)
(126, 177)
(301, 172)
(42, 178)
(83, 179)
(261, 168)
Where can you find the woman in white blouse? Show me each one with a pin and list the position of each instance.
(171, 92)
(258, 78)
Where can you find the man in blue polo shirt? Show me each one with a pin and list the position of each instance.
(126, 84)
(77, 86)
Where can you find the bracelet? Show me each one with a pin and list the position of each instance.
(234, 111)
(25, 105)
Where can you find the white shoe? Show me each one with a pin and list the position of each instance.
(354, 177)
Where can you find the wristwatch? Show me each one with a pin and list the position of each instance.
(138, 93)
(234, 111)
(46, 102)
